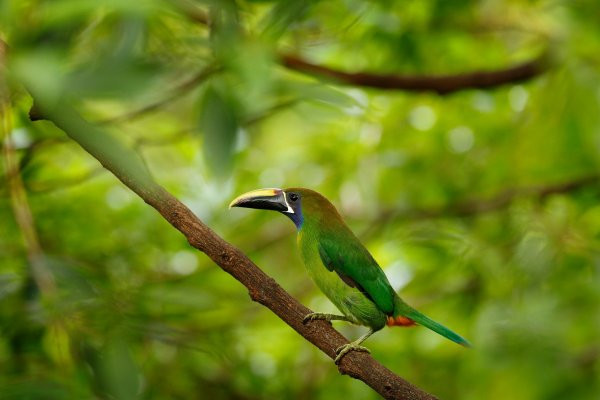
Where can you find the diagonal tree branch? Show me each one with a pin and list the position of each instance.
(441, 84)
(129, 169)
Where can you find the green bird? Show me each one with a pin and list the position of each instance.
(341, 266)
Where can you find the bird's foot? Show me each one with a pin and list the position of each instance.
(345, 349)
(323, 316)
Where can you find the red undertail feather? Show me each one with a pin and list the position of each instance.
(400, 321)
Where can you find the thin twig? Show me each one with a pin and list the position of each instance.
(254, 119)
(37, 188)
(504, 199)
(38, 267)
(176, 92)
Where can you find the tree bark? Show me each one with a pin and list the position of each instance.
(129, 169)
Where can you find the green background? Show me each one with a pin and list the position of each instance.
(482, 206)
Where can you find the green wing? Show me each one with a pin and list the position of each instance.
(345, 255)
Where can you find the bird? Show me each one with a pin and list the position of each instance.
(341, 266)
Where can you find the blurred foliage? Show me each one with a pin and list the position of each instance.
(136, 313)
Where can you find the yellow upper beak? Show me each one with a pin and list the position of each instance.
(263, 199)
(254, 194)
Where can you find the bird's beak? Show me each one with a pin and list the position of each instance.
(263, 199)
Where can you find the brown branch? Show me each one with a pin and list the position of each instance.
(441, 84)
(130, 170)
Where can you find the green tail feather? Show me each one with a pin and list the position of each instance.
(407, 311)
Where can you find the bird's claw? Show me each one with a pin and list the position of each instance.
(345, 349)
(308, 318)
(315, 316)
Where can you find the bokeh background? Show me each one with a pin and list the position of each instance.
(481, 205)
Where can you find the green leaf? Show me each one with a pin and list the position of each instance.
(219, 125)
(283, 15)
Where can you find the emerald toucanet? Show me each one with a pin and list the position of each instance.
(341, 266)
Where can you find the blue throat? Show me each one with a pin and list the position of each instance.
(297, 218)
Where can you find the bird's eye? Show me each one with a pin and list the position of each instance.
(294, 197)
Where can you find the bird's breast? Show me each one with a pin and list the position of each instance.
(349, 300)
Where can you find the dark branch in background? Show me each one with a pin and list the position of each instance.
(129, 169)
(504, 199)
(37, 188)
(35, 146)
(441, 84)
(176, 92)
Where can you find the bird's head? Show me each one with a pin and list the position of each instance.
(295, 203)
